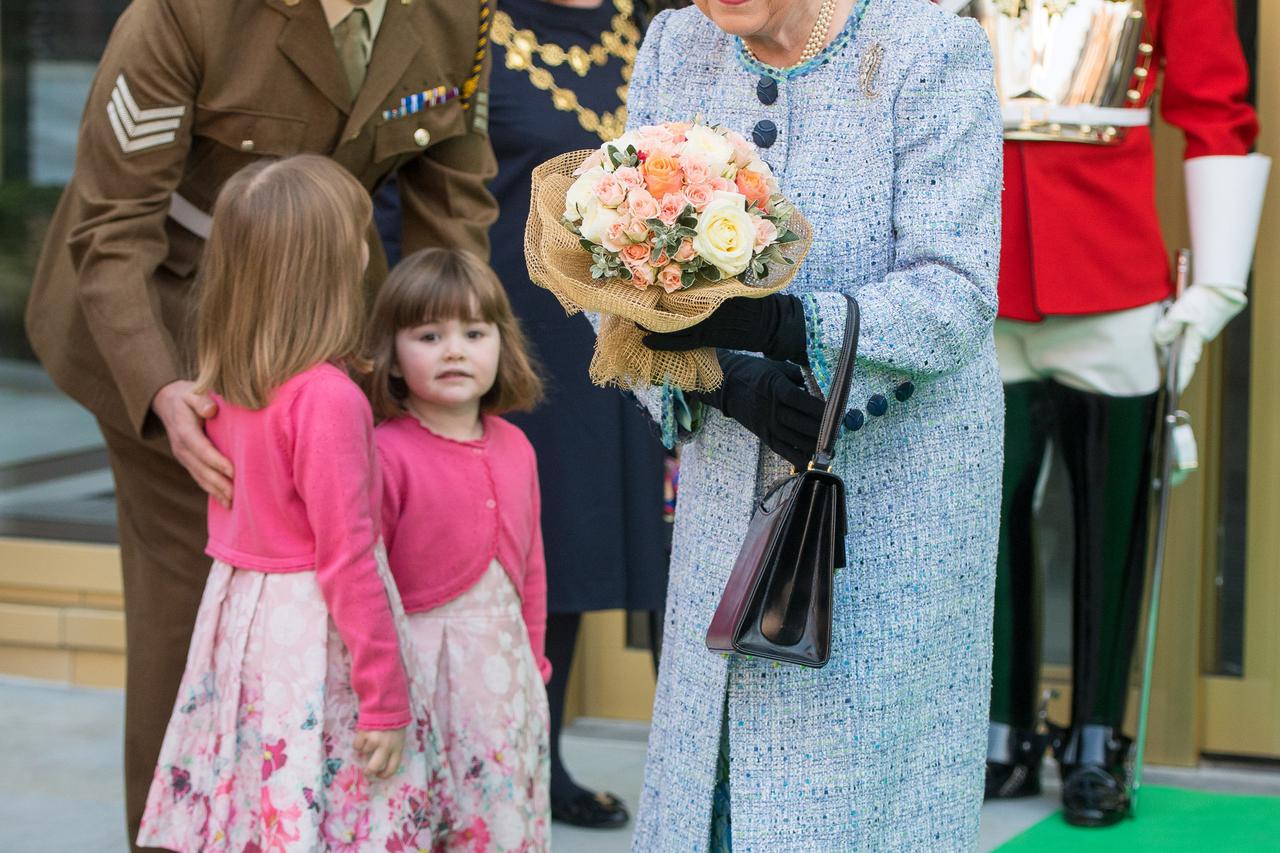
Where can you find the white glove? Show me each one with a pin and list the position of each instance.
(1199, 315)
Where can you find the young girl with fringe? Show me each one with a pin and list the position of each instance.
(301, 722)
(460, 514)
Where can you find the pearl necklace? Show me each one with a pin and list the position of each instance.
(817, 37)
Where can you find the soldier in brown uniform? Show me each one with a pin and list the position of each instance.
(187, 93)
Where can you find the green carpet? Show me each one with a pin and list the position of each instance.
(1169, 820)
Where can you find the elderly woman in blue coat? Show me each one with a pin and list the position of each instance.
(880, 120)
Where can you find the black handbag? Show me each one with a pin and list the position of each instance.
(777, 603)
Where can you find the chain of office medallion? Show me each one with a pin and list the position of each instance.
(621, 41)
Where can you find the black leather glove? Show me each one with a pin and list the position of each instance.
(771, 325)
(768, 398)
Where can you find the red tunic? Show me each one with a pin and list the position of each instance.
(1080, 233)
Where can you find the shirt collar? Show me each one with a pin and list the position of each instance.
(336, 10)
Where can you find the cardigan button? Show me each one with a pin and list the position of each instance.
(491, 503)
(765, 133)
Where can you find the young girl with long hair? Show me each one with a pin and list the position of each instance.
(460, 514)
(299, 725)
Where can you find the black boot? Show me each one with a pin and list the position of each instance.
(1013, 762)
(1014, 748)
(1106, 443)
(1094, 776)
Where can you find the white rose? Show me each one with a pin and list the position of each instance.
(710, 146)
(581, 194)
(726, 234)
(596, 219)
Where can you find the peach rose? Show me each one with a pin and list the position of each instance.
(655, 134)
(686, 252)
(630, 178)
(662, 174)
(610, 191)
(678, 130)
(635, 255)
(594, 161)
(754, 186)
(698, 195)
(743, 151)
(637, 231)
(723, 185)
(766, 232)
(661, 261)
(673, 204)
(641, 205)
(642, 276)
(669, 278)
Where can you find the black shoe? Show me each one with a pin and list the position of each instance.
(1013, 762)
(1093, 777)
(593, 811)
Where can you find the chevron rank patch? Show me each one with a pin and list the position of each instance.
(138, 129)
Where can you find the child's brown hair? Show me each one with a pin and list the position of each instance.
(433, 285)
(280, 282)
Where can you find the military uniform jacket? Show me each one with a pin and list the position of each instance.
(1081, 235)
(190, 91)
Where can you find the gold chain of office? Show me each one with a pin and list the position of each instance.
(621, 41)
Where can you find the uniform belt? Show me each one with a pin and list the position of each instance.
(1021, 115)
(189, 216)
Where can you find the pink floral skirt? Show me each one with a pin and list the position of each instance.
(491, 708)
(258, 755)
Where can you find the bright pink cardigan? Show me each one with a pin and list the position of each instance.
(450, 508)
(306, 499)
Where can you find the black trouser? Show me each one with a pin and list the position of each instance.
(1106, 444)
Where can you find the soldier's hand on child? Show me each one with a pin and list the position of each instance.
(381, 750)
(183, 412)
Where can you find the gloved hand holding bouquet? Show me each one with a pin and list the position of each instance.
(654, 231)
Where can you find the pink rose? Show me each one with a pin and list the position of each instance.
(724, 185)
(678, 129)
(596, 159)
(669, 278)
(641, 204)
(642, 276)
(615, 236)
(696, 170)
(630, 178)
(661, 261)
(743, 151)
(656, 134)
(698, 195)
(610, 191)
(686, 251)
(637, 230)
(635, 254)
(673, 204)
(766, 232)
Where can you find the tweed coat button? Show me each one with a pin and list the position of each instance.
(421, 137)
(765, 133)
(853, 420)
(767, 90)
(904, 391)
(877, 405)
(246, 145)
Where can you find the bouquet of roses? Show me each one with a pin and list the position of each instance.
(655, 230)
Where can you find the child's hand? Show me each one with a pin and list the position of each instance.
(381, 751)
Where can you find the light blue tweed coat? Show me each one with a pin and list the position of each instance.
(899, 174)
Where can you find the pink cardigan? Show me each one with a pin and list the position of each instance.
(305, 499)
(450, 508)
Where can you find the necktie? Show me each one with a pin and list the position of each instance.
(351, 38)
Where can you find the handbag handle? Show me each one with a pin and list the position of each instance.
(838, 397)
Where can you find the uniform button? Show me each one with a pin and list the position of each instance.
(491, 503)
(246, 145)
(767, 89)
(904, 391)
(421, 137)
(765, 133)
(853, 420)
(877, 405)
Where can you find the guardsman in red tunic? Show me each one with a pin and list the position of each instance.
(1083, 287)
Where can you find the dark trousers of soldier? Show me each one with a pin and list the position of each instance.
(1105, 442)
(161, 514)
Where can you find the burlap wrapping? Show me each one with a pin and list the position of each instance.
(558, 263)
